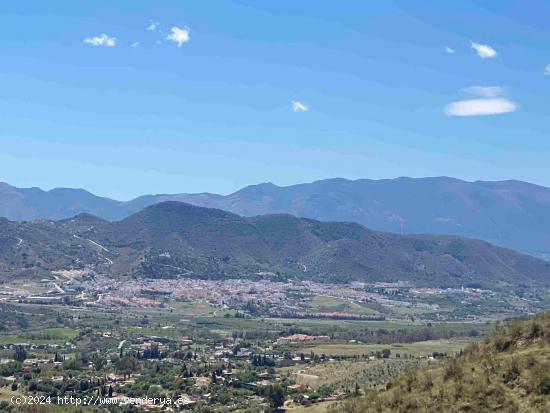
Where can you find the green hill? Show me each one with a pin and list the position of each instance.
(509, 372)
(173, 239)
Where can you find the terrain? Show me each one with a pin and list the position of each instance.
(199, 356)
(174, 240)
(181, 348)
(508, 372)
(185, 307)
(507, 213)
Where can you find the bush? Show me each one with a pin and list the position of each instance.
(452, 370)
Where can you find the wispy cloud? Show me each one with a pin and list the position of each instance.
(484, 91)
(488, 101)
(299, 106)
(153, 26)
(179, 35)
(449, 50)
(547, 69)
(484, 50)
(134, 45)
(102, 40)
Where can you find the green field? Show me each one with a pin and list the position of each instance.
(422, 348)
(324, 304)
(57, 335)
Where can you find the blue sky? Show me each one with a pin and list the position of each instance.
(125, 98)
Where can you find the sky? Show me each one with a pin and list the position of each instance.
(127, 98)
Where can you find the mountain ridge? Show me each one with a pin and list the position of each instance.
(509, 213)
(173, 239)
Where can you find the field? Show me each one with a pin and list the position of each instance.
(344, 375)
(322, 407)
(324, 304)
(418, 349)
(42, 336)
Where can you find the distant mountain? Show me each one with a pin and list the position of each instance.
(174, 239)
(26, 204)
(513, 214)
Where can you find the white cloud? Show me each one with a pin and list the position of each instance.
(547, 69)
(179, 36)
(484, 50)
(480, 107)
(102, 40)
(488, 101)
(153, 26)
(299, 106)
(134, 45)
(449, 50)
(484, 91)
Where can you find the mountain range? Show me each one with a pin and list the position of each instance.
(512, 214)
(175, 239)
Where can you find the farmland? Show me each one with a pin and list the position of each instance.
(259, 344)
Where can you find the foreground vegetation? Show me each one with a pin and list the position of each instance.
(508, 372)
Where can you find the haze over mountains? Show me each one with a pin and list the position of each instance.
(174, 239)
(513, 214)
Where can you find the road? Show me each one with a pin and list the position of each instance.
(58, 288)
(93, 242)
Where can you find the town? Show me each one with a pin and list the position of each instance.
(228, 345)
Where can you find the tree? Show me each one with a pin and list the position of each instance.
(98, 361)
(20, 353)
(22, 322)
(276, 396)
(127, 365)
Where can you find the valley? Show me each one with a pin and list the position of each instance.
(184, 308)
(234, 345)
(205, 354)
(274, 207)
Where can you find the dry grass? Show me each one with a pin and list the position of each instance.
(509, 372)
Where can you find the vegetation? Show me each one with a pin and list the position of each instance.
(508, 372)
(195, 352)
(169, 239)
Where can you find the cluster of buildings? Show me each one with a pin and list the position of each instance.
(301, 338)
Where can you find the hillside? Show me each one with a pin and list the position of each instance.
(509, 372)
(513, 214)
(173, 239)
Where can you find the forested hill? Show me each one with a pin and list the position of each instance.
(174, 239)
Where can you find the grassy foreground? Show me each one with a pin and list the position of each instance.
(509, 372)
